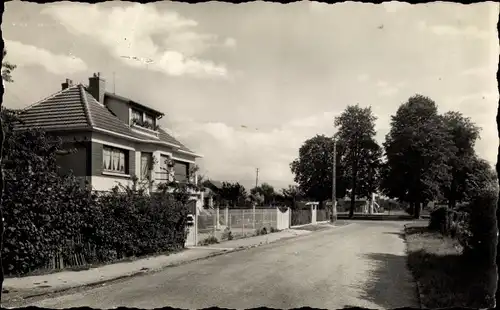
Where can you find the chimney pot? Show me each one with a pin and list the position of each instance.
(66, 84)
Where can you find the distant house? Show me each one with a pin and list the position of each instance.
(212, 193)
(116, 138)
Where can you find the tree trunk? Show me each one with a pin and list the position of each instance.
(417, 209)
(353, 201)
(353, 192)
(412, 208)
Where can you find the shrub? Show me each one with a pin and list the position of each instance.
(49, 219)
(261, 231)
(483, 227)
(273, 230)
(208, 241)
(227, 234)
(438, 219)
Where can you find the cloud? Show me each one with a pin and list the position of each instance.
(230, 42)
(454, 31)
(28, 55)
(382, 84)
(233, 153)
(386, 89)
(129, 33)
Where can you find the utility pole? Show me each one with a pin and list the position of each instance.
(333, 217)
(257, 177)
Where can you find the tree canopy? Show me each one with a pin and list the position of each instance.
(233, 193)
(7, 69)
(314, 167)
(291, 195)
(266, 191)
(361, 155)
(418, 149)
(463, 134)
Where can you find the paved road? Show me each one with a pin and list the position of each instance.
(361, 264)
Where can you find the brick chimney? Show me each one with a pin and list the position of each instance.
(66, 84)
(97, 87)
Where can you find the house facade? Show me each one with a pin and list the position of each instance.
(115, 138)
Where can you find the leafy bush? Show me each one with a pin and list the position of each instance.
(483, 227)
(273, 230)
(451, 223)
(227, 234)
(208, 241)
(261, 231)
(438, 219)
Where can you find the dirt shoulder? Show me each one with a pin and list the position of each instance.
(444, 278)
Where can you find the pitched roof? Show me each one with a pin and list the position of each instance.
(134, 103)
(217, 184)
(75, 108)
(63, 110)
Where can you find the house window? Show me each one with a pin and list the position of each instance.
(114, 160)
(164, 172)
(146, 165)
(136, 115)
(181, 171)
(149, 119)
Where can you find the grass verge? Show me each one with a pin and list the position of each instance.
(446, 279)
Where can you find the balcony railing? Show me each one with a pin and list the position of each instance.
(163, 176)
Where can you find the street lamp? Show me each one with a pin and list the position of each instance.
(333, 217)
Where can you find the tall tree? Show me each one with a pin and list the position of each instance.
(291, 195)
(265, 190)
(7, 69)
(463, 133)
(480, 175)
(314, 167)
(362, 154)
(233, 193)
(418, 149)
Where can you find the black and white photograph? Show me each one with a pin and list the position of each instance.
(260, 154)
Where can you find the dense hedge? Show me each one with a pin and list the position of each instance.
(453, 223)
(61, 217)
(474, 225)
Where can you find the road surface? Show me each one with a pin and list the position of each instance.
(361, 264)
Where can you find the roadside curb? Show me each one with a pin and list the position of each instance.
(142, 272)
(418, 285)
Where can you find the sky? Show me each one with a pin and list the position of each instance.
(245, 85)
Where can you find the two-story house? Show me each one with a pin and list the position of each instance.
(115, 138)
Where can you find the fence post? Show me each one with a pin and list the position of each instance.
(214, 229)
(243, 222)
(226, 216)
(217, 218)
(277, 218)
(253, 215)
